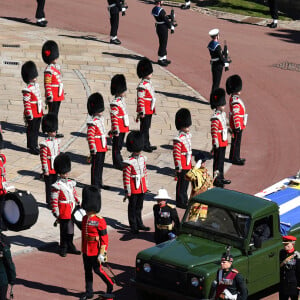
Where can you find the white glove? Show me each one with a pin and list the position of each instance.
(102, 258)
(123, 9)
(226, 65)
(216, 143)
(229, 296)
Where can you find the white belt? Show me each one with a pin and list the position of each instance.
(186, 153)
(215, 59)
(55, 85)
(112, 5)
(99, 136)
(160, 23)
(65, 202)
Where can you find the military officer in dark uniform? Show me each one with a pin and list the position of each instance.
(7, 268)
(164, 216)
(218, 61)
(274, 13)
(230, 283)
(162, 24)
(289, 270)
(186, 5)
(114, 7)
(40, 14)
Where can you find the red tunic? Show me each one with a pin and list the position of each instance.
(145, 98)
(96, 135)
(53, 83)
(49, 149)
(238, 116)
(219, 129)
(64, 197)
(94, 235)
(33, 104)
(135, 175)
(2, 175)
(119, 116)
(182, 151)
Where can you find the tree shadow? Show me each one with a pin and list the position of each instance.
(116, 224)
(124, 55)
(183, 97)
(20, 20)
(142, 235)
(85, 37)
(287, 35)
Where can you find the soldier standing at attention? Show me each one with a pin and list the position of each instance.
(54, 89)
(162, 24)
(119, 118)
(94, 241)
(230, 283)
(237, 117)
(219, 136)
(164, 216)
(182, 154)
(289, 269)
(274, 13)
(33, 105)
(96, 135)
(49, 150)
(40, 14)
(3, 187)
(217, 61)
(145, 101)
(135, 181)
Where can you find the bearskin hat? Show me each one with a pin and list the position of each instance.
(135, 141)
(183, 118)
(218, 98)
(95, 104)
(91, 199)
(50, 123)
(234, 84)
(50, 52)
(118, 85)
(29, 71)
(62, 164)
(144, 68)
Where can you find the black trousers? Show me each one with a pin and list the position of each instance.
(162, 32)
(117, 145)
(91, 263)
(181, 189)
(161, 235)
(144, 129)
(3, 292)
(2, 224)
(49, 180)
(219, 157)
(114, 21)
(274, 9)
(40, 9)
(66, 227)
(32, 132)
(287, 297)
(54, 107)
(235, 147)
(135, 207)
(216, 70)
(97, 169)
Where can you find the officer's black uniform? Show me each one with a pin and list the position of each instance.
(289, 275)
(7, 268)
(274, 9)
(164, 216)
(115, 6)
(40, 13)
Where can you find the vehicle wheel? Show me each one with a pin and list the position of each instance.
(142, 295)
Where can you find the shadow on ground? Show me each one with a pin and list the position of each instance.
(183, 97)
(124, 55)
(287, 35)
(85, 37)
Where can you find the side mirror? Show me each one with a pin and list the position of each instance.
(257, 242)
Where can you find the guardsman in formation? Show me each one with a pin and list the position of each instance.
(94, 241)
(230, 283)
(237, 117)
(114, 7)
(119, 118)
(54, 89)
(145, 101)
(64, 199)
(219, 136)
(186, 5)
(165, 215)
(289, 270)
(49, 150)
(7, 268)
(135, 181)
(40, 14)
(182, 154)
(217, 61)
(163, 24)
(3, 187)
(274, 13)
(96, 135)
(33, 105)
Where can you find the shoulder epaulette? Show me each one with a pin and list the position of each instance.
(171, 205)
(235, 270)
(100, 217)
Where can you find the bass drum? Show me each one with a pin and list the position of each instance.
(77, 216)
(20, 210)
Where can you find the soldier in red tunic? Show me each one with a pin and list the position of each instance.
(54, 89)
(119, 118)
(64, 199)
(219, 135)
(96, 135)
(145, 101)
(135, 181)
(33, 105)
(49, 150)
(3, 187)
(238, 117)
(94, 242)
(182, 154)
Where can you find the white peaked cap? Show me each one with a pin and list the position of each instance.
(162, 194)
(214, 32)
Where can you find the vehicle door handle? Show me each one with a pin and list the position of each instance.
(271, 254)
